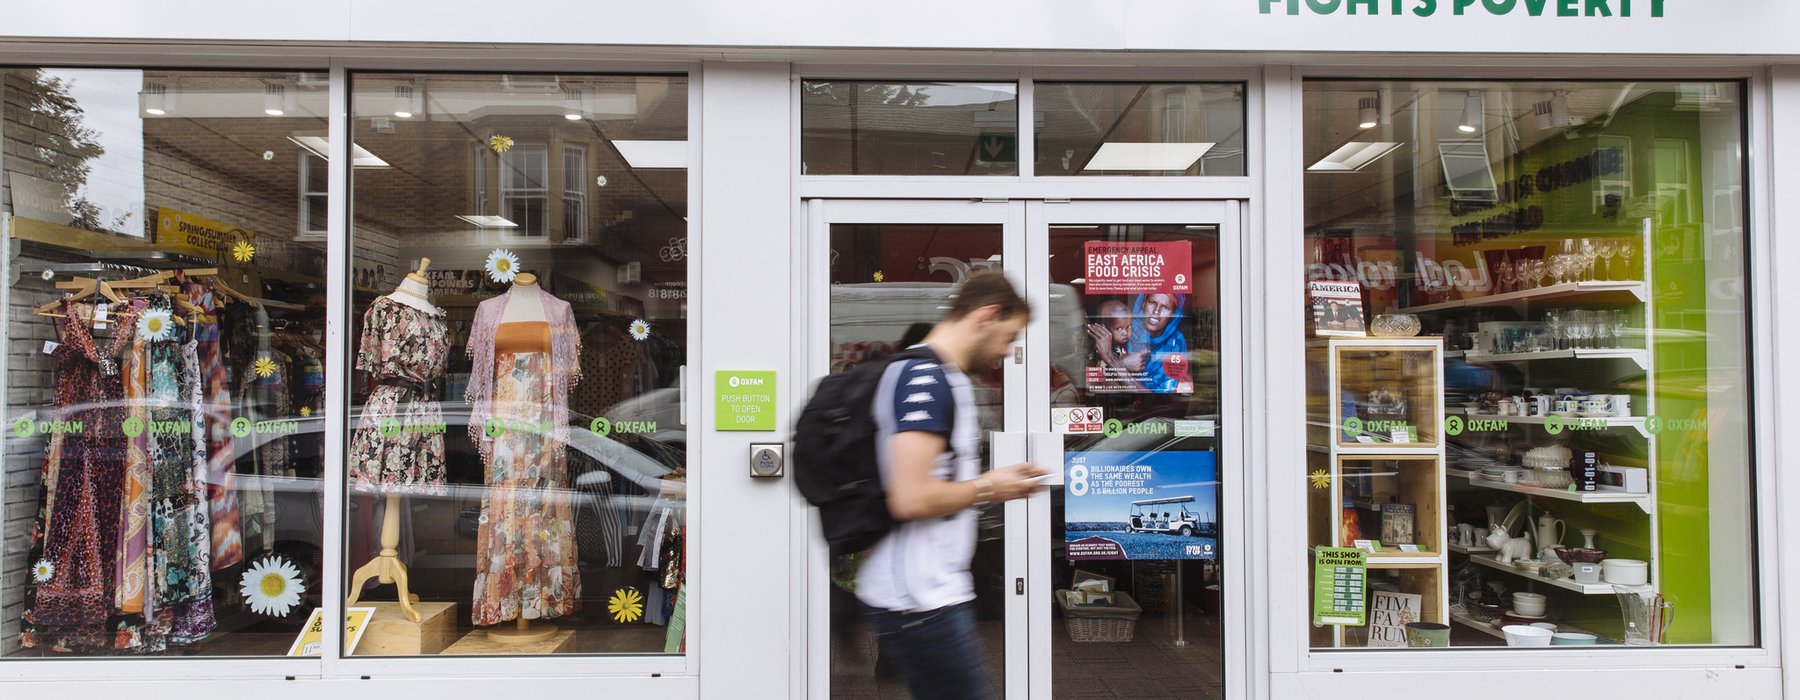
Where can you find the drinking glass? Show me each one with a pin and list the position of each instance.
(1506, 274)
(1540, 272)
(1588, 255)
(1628, 250)
(1553, 319)
(1523, 270)
(1609, 248)
(1616, 319)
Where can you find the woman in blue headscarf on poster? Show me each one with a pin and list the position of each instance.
(1157, 342)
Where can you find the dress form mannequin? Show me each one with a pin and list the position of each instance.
(526, 305)
(527, 302)
(386, 566)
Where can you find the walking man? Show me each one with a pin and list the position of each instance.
(916, 582)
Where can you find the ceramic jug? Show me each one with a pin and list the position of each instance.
(1550, 532)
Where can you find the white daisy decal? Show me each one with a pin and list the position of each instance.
(48, 275)
(272, 587)
(640, 330)
(502, 265)
(154, 324)
(42, 571)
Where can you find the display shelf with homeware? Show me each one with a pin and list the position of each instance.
(1376, 452)
(1552, 426)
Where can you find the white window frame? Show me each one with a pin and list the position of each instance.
(512, 191)
(307, 230)
(574, 195)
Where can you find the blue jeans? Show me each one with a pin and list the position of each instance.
(936, 651)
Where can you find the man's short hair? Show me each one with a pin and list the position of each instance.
(987, 288)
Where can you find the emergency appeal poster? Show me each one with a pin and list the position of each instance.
(1141, 505)
(1137, 297)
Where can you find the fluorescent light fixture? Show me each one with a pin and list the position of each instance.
(653, 154)
(403, 101)
(1367, 114)
(1353, 156)
(1147, 156)
(319, 146)
(1471, 115)
(156, 100)
(274, 99)
(485, 221)
(572, 103)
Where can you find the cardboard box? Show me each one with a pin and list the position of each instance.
(1626, 479)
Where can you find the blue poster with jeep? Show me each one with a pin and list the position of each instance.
(1141, 505)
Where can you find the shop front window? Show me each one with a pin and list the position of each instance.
(165, 370)
(517, 446)
(1140, 129)
(850, 127)
(1527, 373)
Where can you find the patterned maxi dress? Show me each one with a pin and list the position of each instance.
(180, 521)
(70, 590)
(398, 446)
(525, 554)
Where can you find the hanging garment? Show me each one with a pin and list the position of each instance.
(525, 557)
(262, 396)
(215, 397)
(180, 608)
(398, 445)
(132, 563)
(70, 590)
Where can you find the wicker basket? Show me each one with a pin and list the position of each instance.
(1100, 623)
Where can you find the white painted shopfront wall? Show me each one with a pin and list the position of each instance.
(755, 559)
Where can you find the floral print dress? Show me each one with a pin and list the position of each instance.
(525, 556)
(398, 446)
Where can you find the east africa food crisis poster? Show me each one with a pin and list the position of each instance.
(1137, 297)
(1141, 505)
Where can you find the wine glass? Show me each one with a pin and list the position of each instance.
(1523, 270)
(1616, 319)
(1609, 248)
(1628, 250)
(1578, 329)
(1588, 255)
(1553, 318)
(1540, 271)
(1506, 274)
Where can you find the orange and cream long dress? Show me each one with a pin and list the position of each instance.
(526, 563)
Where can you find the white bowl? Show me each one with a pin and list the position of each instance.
(1527, 636)
(1625, 572)
(1529, 604)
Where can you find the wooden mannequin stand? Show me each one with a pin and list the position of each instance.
(523, 633)
(386, 566)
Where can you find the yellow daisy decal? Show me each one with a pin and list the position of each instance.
(500, 144)
(305, 411)
(626, 605)
(1320, 479)
(264, 367)
(242, 251)
(879, 277)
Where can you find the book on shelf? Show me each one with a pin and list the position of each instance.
(1337, 308)
(1397, 523)
(1389, 612)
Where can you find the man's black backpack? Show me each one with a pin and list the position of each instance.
(834, 455)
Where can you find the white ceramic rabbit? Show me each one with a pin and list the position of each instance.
(1509, 548)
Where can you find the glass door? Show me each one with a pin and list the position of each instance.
(1130, 395)
(1113, 584)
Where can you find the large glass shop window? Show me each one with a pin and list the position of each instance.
(1527, 375)
(517, 452)
(164, 371)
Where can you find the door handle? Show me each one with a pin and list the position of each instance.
(1046, 451)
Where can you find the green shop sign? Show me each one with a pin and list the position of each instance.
(745, 400)
(1428, 8)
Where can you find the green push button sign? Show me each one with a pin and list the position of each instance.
(745, 399)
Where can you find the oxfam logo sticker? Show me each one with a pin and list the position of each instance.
(133, 426)
(23, 427)
(1653, 425)
(1353, 426)
(1453, 425)
(734, 382)
(1553, 425)
(601, 427)
(1114, 427)
(390, 427)
(495, 428)
(241, 427)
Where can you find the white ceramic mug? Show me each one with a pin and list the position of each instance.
(1541, 404)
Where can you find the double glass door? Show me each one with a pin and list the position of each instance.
(1119, 582)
